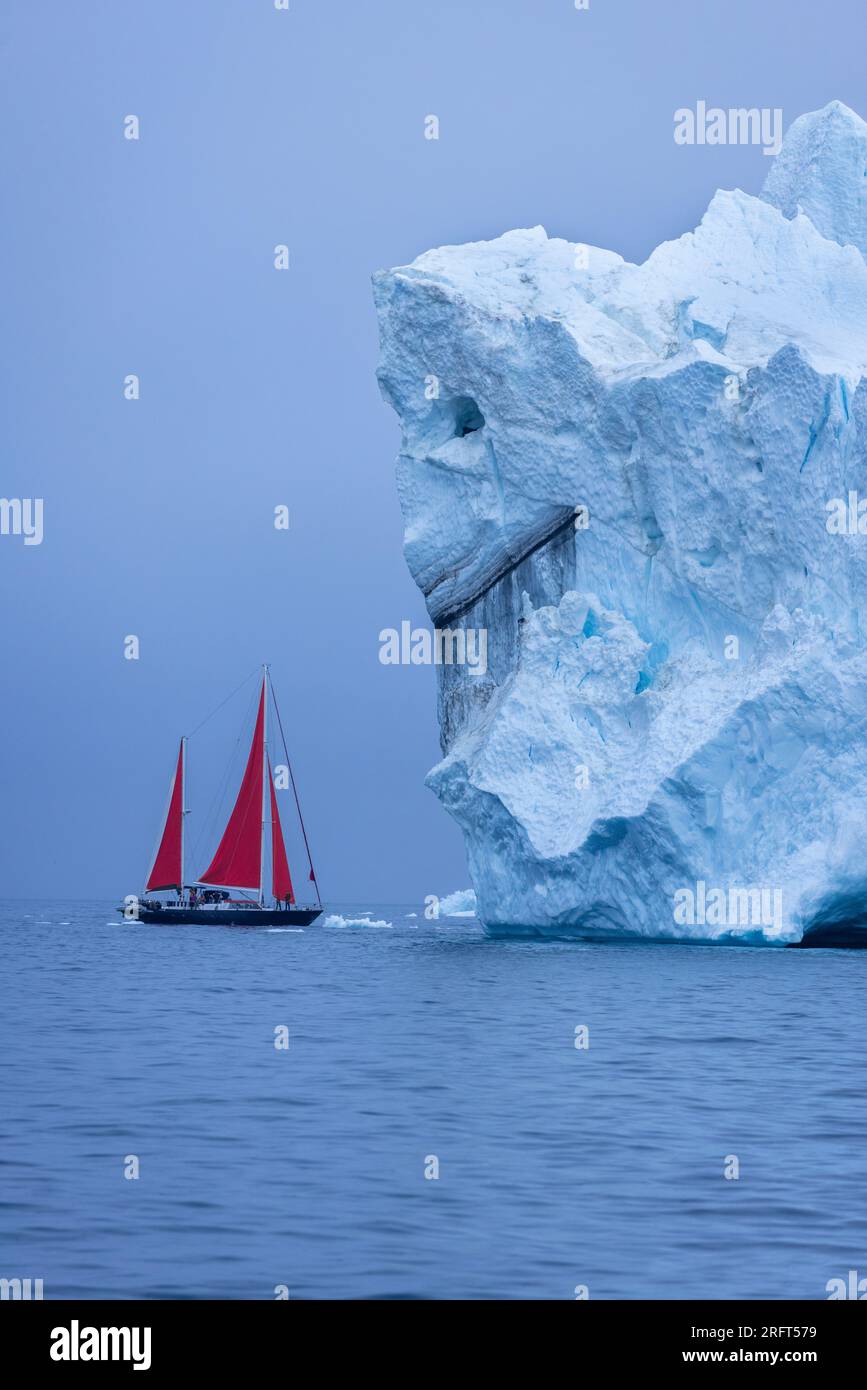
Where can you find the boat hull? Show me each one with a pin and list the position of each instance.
(229, 916)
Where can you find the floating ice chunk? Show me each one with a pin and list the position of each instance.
(336, 920)
(459, 904)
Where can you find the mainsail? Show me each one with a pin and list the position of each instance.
(238, 860)
(167, 870)
(281, 879)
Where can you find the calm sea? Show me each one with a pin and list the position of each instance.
(305, 1166)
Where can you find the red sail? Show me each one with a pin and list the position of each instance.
(167, 871)
(238, 860)
(281, 879)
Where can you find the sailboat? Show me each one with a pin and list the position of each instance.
(239, 863)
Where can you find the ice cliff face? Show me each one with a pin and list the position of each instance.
(676, 694)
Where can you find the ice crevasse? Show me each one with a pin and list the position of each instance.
(643, 482)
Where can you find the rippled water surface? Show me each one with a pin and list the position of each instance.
(305, 1167)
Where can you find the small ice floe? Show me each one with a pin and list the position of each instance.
(291, 930)
(336, 920)
(459, 904)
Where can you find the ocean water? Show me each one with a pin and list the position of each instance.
(305, 1167)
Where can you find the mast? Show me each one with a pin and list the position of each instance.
(281, 878)
(265, 781)
(184, 811)
(167, 870)
(241, 856)
(313, 879)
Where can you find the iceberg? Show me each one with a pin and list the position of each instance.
(644, 483)
(459, 904)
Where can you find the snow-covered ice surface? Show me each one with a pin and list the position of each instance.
(676, 692)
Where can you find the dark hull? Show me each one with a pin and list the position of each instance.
(229, 917)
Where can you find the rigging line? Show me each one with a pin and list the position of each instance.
(216, 810)
(224, 702)
(209, 823)
(295, 792)
(248, 808)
